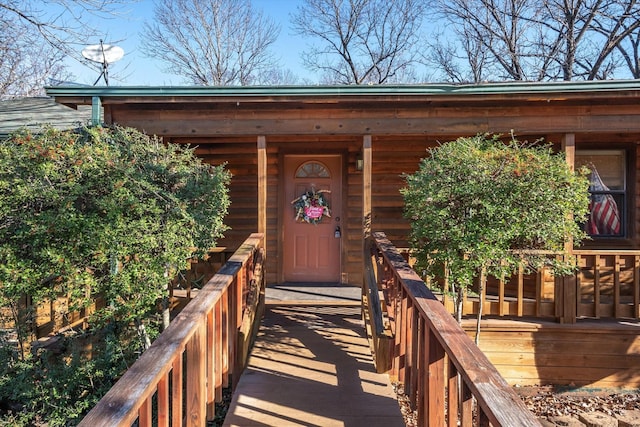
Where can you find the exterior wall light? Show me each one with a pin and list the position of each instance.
(359, 161)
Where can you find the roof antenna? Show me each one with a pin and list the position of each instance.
(104, 54)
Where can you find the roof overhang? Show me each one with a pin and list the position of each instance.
(438, 109)
(79, 95)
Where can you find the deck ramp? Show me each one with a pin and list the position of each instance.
(311, 365)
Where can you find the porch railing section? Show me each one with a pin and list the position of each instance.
(606, 284)
(448, 380)
(178, 380)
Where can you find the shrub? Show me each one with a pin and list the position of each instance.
(481, 205)
(103, 211)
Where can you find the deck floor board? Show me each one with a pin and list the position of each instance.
(311, 366)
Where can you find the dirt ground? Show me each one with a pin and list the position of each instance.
(547, 401)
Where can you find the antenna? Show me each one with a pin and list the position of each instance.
(104, 54)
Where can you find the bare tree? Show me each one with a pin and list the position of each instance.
(26, 67)
(36, 37)
(620, 29)
(63, 24)
(501, 32)
(466, 61)
(586, 33)
(544, 40)
(361, 41)
(629, 50)
(211, 42)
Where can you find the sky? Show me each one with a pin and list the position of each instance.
(135, 69)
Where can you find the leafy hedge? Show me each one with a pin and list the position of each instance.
(477, 203)
(100, 211)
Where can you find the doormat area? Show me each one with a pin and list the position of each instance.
(312, 293)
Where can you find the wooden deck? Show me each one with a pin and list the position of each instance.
(311, 365)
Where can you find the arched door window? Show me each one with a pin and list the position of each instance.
(312, 169)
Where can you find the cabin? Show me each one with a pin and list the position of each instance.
(295, 150)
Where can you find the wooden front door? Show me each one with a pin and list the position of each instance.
(312, 250)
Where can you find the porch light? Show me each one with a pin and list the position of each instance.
(359, 161)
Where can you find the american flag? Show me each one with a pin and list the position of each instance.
(604, 217)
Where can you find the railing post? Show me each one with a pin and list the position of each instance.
(413, 378)
(163, 402)
(237, 320)
(218, 350)
(176, 391)
(196, 387)
(226, 341)
(211, 363)
(423, 349)
(401, 333)
(570, 299)
(436, 381)
(453, 395)
(636, 286)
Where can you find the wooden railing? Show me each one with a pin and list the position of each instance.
(448, 380)
(178, 380)
(606, 285)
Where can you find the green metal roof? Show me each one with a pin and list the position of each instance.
(505, 88)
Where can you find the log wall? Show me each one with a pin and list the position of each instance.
(586, 354)
(401, 133)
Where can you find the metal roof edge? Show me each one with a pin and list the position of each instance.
(503, 88)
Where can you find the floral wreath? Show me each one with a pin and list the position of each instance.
(311, 207)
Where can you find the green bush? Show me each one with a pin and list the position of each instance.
(57, 390)
(102, 211)
(478, 204)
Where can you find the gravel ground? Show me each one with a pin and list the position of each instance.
(548, 402)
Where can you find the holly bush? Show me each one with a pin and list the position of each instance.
(105, 211)
(478, 203)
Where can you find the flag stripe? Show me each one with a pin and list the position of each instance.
(605, 216)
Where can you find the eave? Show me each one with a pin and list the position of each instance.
(532, 91)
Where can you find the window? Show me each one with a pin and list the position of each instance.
(313, 170)
(608, 191)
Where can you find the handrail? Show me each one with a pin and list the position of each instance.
(378, 330)
(444, 373)
(187, 366)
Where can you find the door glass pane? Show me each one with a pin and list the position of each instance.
(313, 170)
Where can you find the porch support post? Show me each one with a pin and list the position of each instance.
(569, 148)
(366, 187)
(262, 187)
(96, 106)
(568, 283)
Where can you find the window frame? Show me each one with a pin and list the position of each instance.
(626, 195)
